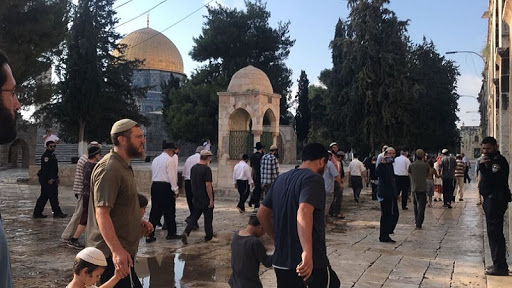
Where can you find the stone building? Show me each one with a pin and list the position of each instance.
(20, 153)
(470, 138)
(161, 61)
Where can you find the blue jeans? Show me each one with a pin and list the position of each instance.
(5, 262)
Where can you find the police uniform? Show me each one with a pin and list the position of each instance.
(494, 188)
(49, 170)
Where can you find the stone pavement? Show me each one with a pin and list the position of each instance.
(450, 250)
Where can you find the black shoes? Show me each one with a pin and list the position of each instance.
(493, 271)
(150, 238)
(387, 240)
(184, 238)
(173, 237)
(61, 215)
(39, 216)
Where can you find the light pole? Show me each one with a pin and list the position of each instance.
(471, 52)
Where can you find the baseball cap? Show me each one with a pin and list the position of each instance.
(199, 149)
(206, 153)
(122, 125)
(93, 256)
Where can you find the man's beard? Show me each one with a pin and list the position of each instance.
(8, 122)
(133, 152)
(321, 170)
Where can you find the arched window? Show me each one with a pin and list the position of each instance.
(477, 139)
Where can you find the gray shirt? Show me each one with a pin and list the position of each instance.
(329, 174)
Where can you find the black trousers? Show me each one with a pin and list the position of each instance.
(357, 185)
(208, 219)
(243, 190)
(420, 201)
(335, 208)
(188, 193)
(48, 192)
(388, 217)
(163, 202)
(256, 193)
(318, 279)
(494, 212)
(126, 281)
(374, 191)
(403, 184)
(466, 175)
(448, 187)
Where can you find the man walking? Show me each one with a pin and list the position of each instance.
(493, 186)
(189, 163)
(292, 214)
(418, 172)
(269, 169)
(447, 168)
(387, 194)
(256, 175)
(332, 184)
(242, 179)
(77, 189)
(403, 183)
(467, 166)
(9, 107)
(164, 191)
(114, 224)
(201, 181)
(357, 176)
(459, 178)
(49, 180)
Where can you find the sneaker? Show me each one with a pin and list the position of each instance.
(75, 244)
(40, 216)
(184, 238)
(387, 240)
(173, 237)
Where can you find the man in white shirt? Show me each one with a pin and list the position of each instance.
(241, 179)
(381, 155)
(357, 175)
(48, 136)
(164, 191)
(191, 161)
(403, 183)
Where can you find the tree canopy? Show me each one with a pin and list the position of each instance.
(31, 33)
(95, 88)
(232, 39)
(303, 114)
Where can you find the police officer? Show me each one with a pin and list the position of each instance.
(49, 179)
(494, 188)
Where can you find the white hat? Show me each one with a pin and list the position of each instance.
(93, 256)
(444, 151)
(332, 144)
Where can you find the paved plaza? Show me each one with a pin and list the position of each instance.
(450, 251)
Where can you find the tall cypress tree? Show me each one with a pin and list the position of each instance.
(303, 115)
(95, 90)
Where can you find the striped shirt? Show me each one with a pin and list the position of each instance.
(459, 168)
(79, 174)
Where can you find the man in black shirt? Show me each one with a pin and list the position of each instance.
(494, 188)
(298, 229)
(387, 194)
(256, 175)
(49, 180)
(202, 191)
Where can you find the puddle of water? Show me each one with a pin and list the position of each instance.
(173, 270)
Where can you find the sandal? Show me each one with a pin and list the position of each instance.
(340, 216)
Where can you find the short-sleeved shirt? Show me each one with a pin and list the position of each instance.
(356, 168)
(199, 175)
(87, 171)
(288, 191)
(113, 185)
(419, 171)
(247, 252)
(329, 174)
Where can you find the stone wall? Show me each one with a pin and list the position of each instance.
(21, 151)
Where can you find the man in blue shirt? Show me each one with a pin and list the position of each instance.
(298, 229)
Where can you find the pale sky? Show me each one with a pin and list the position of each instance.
(452, 25)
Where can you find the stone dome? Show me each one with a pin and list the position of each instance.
(250, 79)
(157, 51)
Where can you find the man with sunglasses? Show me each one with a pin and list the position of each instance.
(49, 180)
(9, 106)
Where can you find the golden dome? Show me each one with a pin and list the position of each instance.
(157, 51)
(250, 79)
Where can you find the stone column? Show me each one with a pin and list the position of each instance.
(274, 138)
(257, 136)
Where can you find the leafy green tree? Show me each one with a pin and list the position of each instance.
(95, 90)
(303, 115)
(435, 98)
(31, 32)
(319, 126)
(368, 85)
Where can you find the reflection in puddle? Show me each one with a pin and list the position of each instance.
(173, 270)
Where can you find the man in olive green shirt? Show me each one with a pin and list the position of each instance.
(418, 171)
(114, 225)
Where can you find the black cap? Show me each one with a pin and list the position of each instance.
(259, 146)
(169, 146)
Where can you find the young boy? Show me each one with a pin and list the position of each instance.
(247, 252)
(89, 265)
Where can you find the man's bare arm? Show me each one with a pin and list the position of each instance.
(265, 217)
(305, 231)
(209, 190)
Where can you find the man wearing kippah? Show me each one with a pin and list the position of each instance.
(77, 189)
(114, 225)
